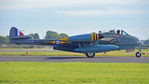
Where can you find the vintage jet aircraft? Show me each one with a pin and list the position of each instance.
(88, 44)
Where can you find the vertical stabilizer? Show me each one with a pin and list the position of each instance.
(13, 32)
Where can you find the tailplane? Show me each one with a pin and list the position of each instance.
(16, 36)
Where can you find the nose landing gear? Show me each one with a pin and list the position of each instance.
(138, 54)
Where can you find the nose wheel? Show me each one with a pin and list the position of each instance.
(138, 54)
(90, 54)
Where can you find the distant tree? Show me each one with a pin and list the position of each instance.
(63, 35)
(32, 35)
(52, 35)
(36, 36)
(4, 40)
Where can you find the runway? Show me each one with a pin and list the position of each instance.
(73, 59)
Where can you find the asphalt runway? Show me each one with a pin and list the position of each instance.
(73, 59)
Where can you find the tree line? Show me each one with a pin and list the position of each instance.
(50, 35)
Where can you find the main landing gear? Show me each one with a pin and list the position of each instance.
(90, 54)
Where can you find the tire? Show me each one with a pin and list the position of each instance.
(90, 54)
(138, 54)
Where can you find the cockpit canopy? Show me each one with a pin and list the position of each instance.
(119, 32)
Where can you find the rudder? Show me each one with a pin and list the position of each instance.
(13, 32)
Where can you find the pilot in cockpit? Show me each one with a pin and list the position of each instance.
(118, 32)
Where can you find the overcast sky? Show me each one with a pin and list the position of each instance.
(75, 16)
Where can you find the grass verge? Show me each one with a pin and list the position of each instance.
(73, 73)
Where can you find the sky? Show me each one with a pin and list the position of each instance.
(75, 16)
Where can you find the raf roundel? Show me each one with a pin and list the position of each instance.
(57, 42)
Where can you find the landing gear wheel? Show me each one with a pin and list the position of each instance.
(90, 54)
(138, 54)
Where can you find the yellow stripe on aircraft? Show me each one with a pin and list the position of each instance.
(52, 42)
(64, 39)
(62, 42)
(94, 36)
(97, 36)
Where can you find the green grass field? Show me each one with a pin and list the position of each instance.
(73, 73)
(62, 53)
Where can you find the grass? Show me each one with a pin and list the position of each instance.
(62, 53)
(73, 73)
